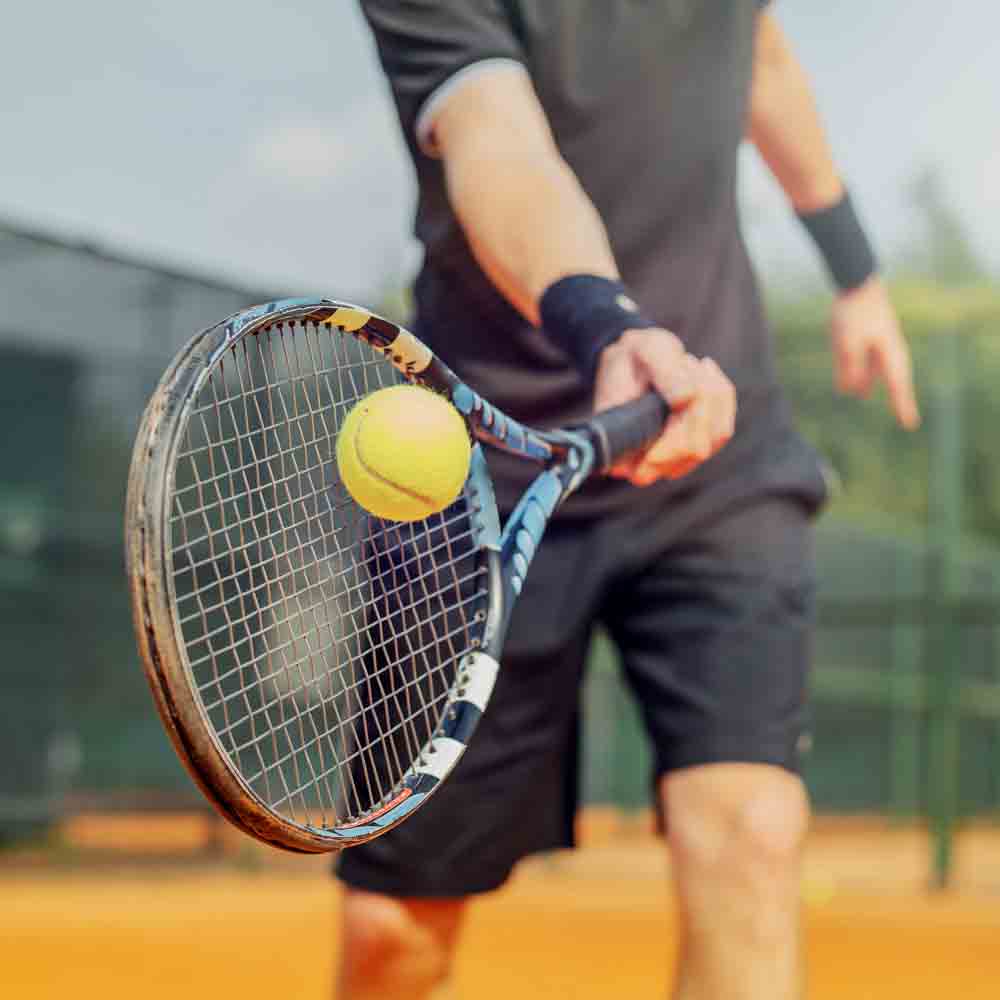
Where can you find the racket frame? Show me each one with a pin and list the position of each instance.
(567, 457)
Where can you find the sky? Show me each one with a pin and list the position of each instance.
(257, 142)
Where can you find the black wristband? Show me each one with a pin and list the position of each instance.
(584, 313)
(840, 238)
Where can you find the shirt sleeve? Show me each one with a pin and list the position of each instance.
(424, 46)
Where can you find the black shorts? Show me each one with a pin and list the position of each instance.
(711, 613)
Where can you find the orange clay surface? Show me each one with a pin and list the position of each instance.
(120, 911)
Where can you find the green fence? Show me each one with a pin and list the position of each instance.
(907, 677)
(84, 336)
(906, 681)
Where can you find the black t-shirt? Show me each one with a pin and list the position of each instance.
(647, 100)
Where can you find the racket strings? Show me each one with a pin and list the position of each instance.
(376, 676)
(324, 643)
(298, 715)
(374, 648)
(403, 726)
(340, 577)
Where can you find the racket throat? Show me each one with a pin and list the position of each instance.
(525, 527)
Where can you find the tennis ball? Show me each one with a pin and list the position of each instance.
(403, 453)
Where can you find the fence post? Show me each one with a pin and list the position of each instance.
(904, 702)
(944, 528)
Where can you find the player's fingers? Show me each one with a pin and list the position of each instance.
(626, 467)
(869, 373)
(668, 366)
(851, 362)
(699, 440)
(687, 438)
(649, 465)
(617, 380)
(897, 370)
(679, 469)
(648, 472)
(693, 434)
(700, 424)
(683, 427)
(723, 406)
(645, 474)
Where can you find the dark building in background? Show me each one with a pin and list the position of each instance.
(84, 336)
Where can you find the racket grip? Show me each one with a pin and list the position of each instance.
(628, 427)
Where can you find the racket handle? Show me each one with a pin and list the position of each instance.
(628, 427)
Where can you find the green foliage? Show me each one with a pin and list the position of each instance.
(944, 253)
(955, 338)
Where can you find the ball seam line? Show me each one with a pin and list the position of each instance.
(412, 494)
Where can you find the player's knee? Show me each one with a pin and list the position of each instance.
(374, 927)
(771, 827)
(749, 833)
(392, 945)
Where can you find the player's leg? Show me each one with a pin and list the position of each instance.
(508, 797)
(396, 947)
(735, 833)
(715, 634)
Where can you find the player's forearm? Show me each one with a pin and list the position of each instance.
(785, 124)
(525, 215)
(532, 227)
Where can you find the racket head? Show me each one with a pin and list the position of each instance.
(318, 670)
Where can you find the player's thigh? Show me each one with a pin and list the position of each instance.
(513, 791)
(715, 636)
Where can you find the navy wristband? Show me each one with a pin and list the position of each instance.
(840, 238)
(583, 313)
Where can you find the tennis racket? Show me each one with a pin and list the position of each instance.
(320, 671)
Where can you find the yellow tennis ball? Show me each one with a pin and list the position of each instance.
(403, 453)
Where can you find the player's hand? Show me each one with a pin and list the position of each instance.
(702, 402)
(868, 345)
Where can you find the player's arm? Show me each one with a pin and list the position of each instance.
(785, 126)
(527, 219)
(537, 235)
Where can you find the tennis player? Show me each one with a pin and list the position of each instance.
(577, 165)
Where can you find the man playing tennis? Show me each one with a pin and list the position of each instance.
(577, 168)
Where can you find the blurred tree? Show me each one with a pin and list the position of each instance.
(945, 253)
(885, 470)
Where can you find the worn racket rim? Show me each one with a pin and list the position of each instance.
(320, 671)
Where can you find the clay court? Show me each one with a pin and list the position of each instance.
(88, 922)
